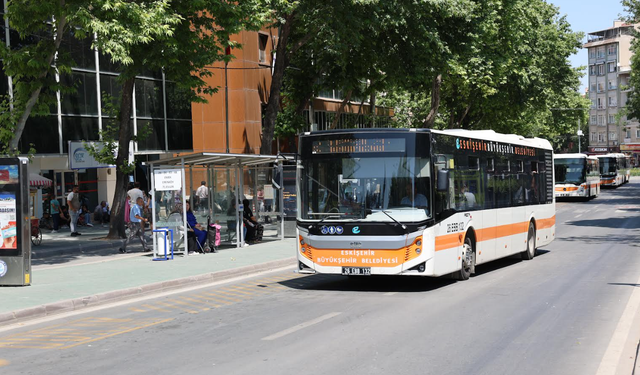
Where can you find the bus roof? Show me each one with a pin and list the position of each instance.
(487, 135)
(613, 155)
(491, 135)
(572, 156)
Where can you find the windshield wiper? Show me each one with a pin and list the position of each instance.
(392, 218)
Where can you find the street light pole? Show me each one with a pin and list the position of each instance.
(226, 97)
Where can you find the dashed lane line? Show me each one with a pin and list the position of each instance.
(300, 326)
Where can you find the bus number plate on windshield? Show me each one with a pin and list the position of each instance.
(359, 271)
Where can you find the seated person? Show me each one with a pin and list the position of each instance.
(192, 223)
(84, 217)
(101, 213)
(468, 198)
(250, 222)
(419, 200)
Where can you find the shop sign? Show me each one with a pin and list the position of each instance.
(599, 149)
(167, 179)
(630, 147)
(80, 158)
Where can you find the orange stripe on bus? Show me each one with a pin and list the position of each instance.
(566, 189)
(449, 241)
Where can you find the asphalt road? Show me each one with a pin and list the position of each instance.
(556, 314)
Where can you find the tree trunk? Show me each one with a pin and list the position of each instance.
(372, 103)
(116, 224)
(435, 102)
(273, 104)
(33, 98)
(341, 109)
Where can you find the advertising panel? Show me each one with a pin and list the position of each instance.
(9, 186)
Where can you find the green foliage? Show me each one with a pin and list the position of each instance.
(632, 8)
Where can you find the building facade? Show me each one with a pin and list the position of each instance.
(609, 71)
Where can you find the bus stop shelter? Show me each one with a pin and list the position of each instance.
(229, 179)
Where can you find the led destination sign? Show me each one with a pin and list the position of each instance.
(365, 145)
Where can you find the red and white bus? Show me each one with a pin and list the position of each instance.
(420, 202)
(576, 176)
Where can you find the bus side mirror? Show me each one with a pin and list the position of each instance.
(443, 180)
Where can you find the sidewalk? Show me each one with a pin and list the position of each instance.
(61, 243)
(74, 281)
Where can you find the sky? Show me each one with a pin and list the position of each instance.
(588, 16)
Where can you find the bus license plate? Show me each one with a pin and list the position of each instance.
(360, 271)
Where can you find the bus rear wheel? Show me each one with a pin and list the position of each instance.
(530, 251)
(468, 260)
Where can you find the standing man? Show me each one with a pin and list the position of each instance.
(73, 201)
(203, 196)
(137, 226)
(55, 214)
(134, 194)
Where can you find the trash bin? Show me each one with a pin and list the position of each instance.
(15, 226)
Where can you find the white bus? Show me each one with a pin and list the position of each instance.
(576, 175)
(614, 169)
(420, 202)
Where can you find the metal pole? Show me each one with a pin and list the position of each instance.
(226, 103)
(281, 197)
(153, 214)
(184, 211)
(579, 135)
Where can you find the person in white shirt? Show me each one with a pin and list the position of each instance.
(203, 196)
(73, 201)
(135, 193)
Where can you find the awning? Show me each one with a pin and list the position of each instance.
(35, 180)
(206, 158)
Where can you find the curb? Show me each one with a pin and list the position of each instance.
(124, 294)
(79, 249)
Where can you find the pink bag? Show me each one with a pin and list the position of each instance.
(217, 227)
(127, 211)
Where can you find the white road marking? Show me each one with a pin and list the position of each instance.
(390, 293)
(301, 326)
(611, 358)
(577, 216)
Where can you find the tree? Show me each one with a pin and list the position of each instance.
(632, 8)
(31, 61)
(181, 38)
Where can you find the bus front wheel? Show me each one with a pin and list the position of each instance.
(468, 260)
(530, 251)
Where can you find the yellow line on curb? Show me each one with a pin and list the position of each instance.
(118, 333)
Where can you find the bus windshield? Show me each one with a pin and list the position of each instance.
(369, 186)
(570, 171)
(608, 166)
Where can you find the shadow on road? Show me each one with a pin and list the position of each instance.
(626, 222)
(386, 284)
(628, 239)
(624, 284)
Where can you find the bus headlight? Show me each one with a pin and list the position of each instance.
(418, 251)
(419, 243)
(303, 249)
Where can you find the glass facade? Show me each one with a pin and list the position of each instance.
(81, 111)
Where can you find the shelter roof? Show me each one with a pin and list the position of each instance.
(217, 159)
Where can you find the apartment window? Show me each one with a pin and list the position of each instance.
(637, 133)
(592, 53)
(594, 136)
(600, 87)
(611, 67)
(600, 119)
(592, 70)
(600, 137)
(600, 52)
(628, 134)
(594, 119)
(612, 101)
(601, 69)
(612, 119)
(612, 85)
(600, 103)
(611, 49)
(613, 136)
(263, 40)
